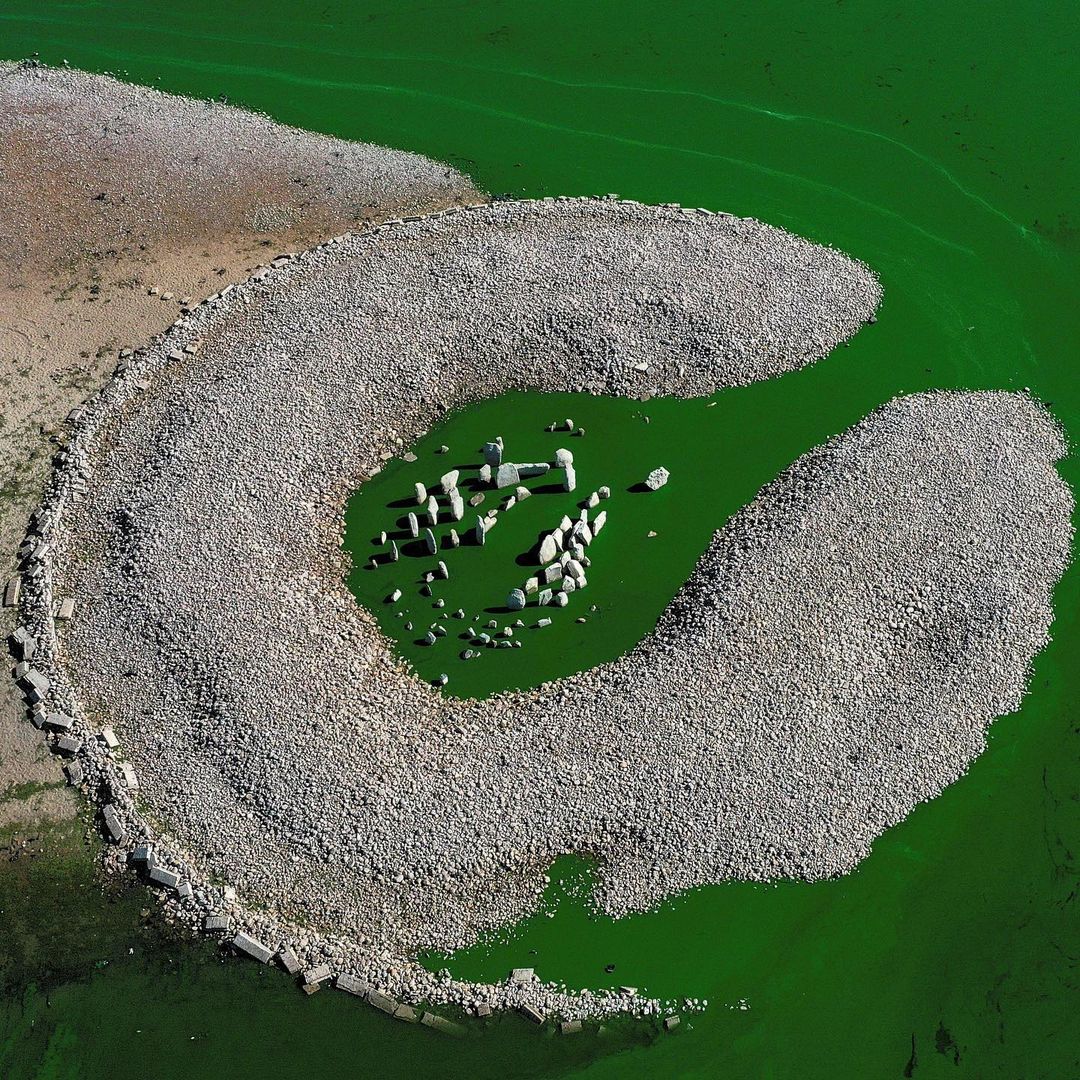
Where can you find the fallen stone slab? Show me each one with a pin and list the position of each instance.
(112, 822)
(319, 973)
(382, 1001)
(288, 959)
(252, 947)
(12, 592)
(533, 1013)
(352, 985)
(160, 876)
(440, 1023)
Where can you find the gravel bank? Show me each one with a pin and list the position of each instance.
(834, 659)
(93, 168)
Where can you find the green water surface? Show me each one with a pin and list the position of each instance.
(937, 143)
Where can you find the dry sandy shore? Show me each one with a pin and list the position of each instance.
(108, 191)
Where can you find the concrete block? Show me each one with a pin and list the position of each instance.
(127, 774)
(569, 1027)
(66, 609)
(58, 721)
(406, 1013)
(317, 974)
(75, 773)
(216, 922)
(108, 737)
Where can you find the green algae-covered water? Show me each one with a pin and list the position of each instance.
(935, 142)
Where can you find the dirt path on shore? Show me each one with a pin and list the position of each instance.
(120, 204)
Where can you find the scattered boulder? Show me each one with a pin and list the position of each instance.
(657, 478)
(515, 600)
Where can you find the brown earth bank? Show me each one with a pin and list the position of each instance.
(121, 206)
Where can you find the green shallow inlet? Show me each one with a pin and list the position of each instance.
(719, 451)
(933, 141)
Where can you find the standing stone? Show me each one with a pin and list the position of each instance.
(457, 505)
(560, 599)
(448, 481)
(563, 458)
(568, 584)
(548, 548)
(394, 553)
(455, 540)
(414, 526)
(531, 585)
(657, 478)
(433, 511)
(604, 492)
(443, 572)
(552, 573)
(493, 454)
(569, 478)
(421, 494)
(593, 501)
(481, 531)
(507, 476)
(544, 597)
(429, 540)
(521, 493)
(599, 522)
(485, 474)
(515, 601)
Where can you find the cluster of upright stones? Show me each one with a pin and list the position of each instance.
(562, 552)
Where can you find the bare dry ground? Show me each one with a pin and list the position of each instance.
(109, 191)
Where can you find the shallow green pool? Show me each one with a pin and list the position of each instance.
(933, 141)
